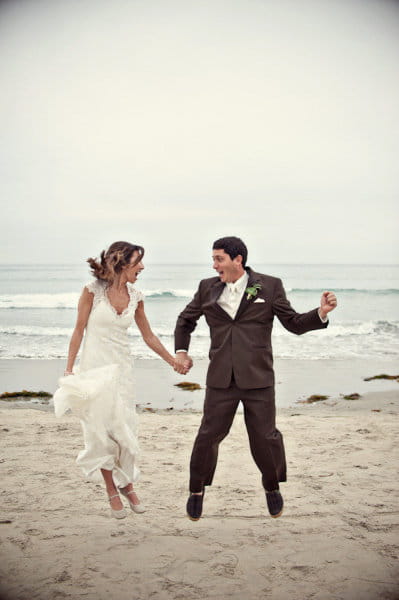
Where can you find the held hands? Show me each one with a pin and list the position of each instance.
(182, 363)
(328, 302)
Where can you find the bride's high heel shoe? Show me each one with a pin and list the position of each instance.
(137, 508)
(118, 514)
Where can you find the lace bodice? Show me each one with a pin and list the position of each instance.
(106, 339)
(99, 289)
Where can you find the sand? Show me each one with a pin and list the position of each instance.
(337, 538)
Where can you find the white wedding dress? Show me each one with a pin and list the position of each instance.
(101, 392)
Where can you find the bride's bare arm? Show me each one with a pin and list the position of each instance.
(153, 341)
(84, 309)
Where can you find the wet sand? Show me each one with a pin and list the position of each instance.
(295, 379)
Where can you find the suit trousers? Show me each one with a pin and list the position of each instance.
(266, 442)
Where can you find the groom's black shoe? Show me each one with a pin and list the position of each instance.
(194, 506)
(275, 503)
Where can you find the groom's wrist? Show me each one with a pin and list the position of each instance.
(323, 316)
(180, 351)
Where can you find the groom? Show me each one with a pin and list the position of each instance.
(239, 306)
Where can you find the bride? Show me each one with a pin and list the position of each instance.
(101, 390)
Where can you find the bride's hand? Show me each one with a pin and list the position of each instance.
(182, 363)
(66, 373)
(179, 367)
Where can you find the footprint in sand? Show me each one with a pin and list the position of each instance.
(224, 565)
(301, 572)
(33, 531)
(61, 577)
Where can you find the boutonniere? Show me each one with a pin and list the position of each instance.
(253, 290)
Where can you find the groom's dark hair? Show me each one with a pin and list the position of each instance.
(233, 246)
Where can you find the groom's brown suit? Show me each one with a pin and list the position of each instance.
(241, 368)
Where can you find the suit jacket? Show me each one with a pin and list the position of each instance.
(242, 346)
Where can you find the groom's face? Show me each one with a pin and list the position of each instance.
(229, 270)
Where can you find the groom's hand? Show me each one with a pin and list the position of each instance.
(183, 363)
(328, 302)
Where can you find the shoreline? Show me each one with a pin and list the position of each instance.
(155, 381)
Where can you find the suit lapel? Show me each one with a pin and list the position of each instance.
(216, 290)
(252, 278)
(214, 294)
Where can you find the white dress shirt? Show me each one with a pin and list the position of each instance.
(232, 294)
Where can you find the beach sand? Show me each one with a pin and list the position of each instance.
(337, 538)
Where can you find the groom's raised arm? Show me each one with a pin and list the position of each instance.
(187, 321)
(295, 322)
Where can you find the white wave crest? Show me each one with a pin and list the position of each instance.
(350, 328)
(70, 300)
(66, 300)
(168, 293)
(36, 331)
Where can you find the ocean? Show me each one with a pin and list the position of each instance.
(38, 309)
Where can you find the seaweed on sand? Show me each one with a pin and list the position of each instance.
(188, 386)
(382, 376)
(9, 396)
(314, 398)
(354, 396)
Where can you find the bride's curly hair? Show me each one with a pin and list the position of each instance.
(112, 261)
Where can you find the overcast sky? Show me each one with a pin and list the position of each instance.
(170, 123)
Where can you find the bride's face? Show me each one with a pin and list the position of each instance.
(132, 271)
